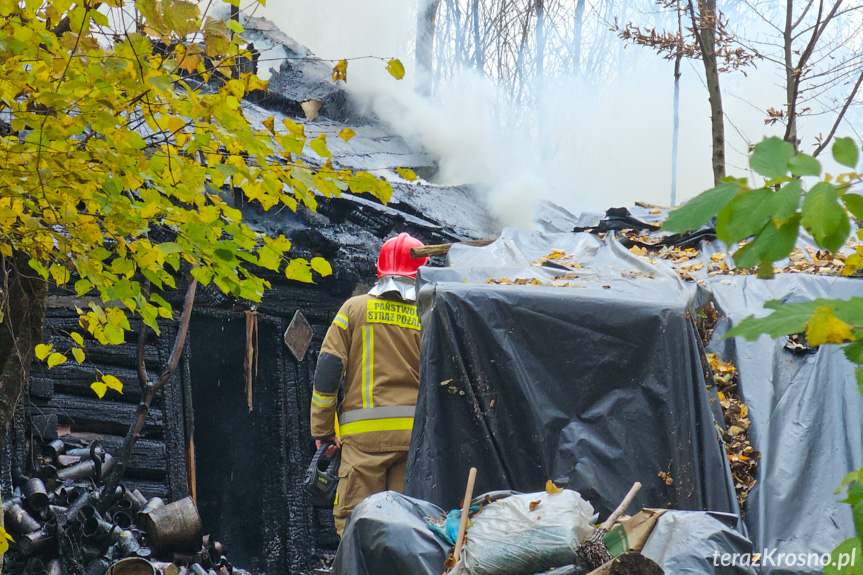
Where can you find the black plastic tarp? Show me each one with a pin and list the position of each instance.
(700, 543)
(594, 386)
(807, 419)
(387, 535)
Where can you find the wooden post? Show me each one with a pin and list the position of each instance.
(465, 510)
(443, 249)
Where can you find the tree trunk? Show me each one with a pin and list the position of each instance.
(578, 27)
(676, 126)
(706, 28)
(23, 308)
(426, 23)
(22, 305)
(791, 77)
(478, 54)
(540, 49)
(675, 131)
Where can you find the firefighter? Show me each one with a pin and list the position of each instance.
(372, 348)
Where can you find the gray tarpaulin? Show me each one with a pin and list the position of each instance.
(699, 543)
(593, 386)
(601, 383)
(807, 419)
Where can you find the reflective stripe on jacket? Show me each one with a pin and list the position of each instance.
(373, 347)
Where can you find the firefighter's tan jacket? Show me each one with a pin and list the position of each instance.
(373, 346)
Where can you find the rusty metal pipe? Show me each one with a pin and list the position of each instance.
(134, 565)
(86, 498)
(33, 542)
(19, 562)
(18, 520)
(53, 448)
(86, 452)
(48, 475)
(122, 519)
(87, 469)
(88, 511)
(149, 507)
(36, 495)
(56, 510)
(131, 502)
(175, 527)
(140, 497)
(127, 543)
(97, 566)
(97, 529)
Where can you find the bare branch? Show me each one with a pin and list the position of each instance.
(841, 115)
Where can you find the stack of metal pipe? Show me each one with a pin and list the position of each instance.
(59, 525)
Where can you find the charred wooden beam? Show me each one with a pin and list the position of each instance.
(74, 379)
(96, 415)
(443, 249)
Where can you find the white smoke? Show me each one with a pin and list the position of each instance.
(585, 150)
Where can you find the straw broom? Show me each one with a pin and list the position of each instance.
(593, 552)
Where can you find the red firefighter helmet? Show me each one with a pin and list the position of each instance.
(395, 258)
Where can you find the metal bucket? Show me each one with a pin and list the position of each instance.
(175, 527)
(132, 566)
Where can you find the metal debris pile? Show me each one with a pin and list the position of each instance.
(59, 525)
(741, 455)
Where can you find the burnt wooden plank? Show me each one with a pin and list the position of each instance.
(315, 303)
(96, 415)
(41, 387)
(74, 379)
(121, 355)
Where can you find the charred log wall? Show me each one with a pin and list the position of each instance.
(60, 402)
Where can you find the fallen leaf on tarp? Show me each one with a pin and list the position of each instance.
(552, 489)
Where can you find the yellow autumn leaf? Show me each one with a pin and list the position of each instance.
(322, 266)
(407, 174)
(77, 338)
(824, 327)
(319, 145)
(100, 388)
(56, 359)
(189, 57)
(5, 538)
(79, 354)
(347, 134)
(270, 124)
(552, 489)
(396, 68)
(340, 71)
(299, 270)
(113, 383)
(43, 350)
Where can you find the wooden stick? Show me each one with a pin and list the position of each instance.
(443, 249)
(633, 491)
(465, 509)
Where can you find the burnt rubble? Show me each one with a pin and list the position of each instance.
(60, 522)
